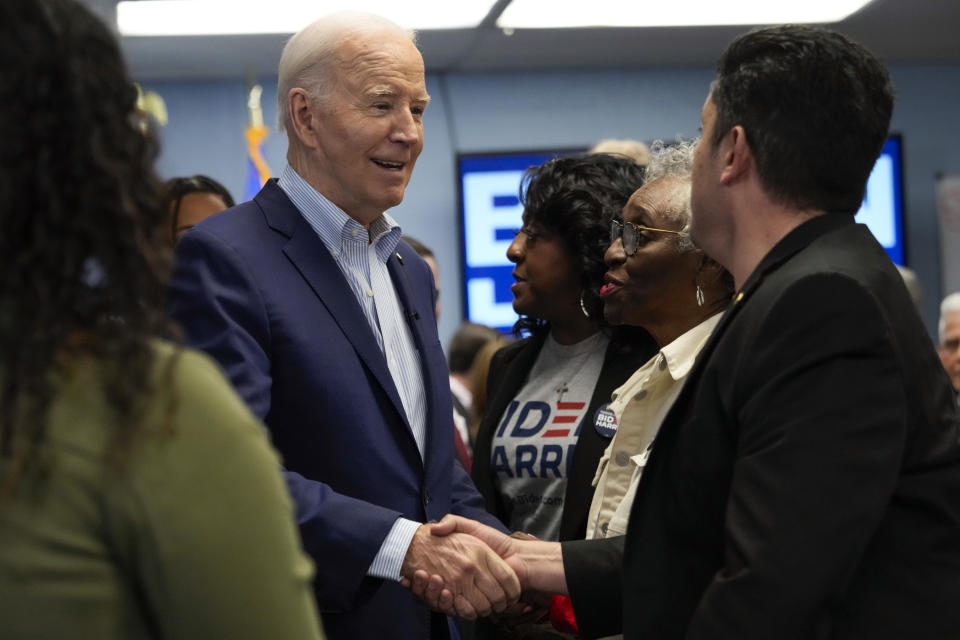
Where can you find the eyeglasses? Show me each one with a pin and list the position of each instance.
(631, 234)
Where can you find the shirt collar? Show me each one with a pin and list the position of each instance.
(682, 352)
(331, 223)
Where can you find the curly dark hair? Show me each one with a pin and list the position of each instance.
(576, 197)
(175, 189)
(816, 110)
(84, 253)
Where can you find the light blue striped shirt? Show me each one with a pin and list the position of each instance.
(362, 257)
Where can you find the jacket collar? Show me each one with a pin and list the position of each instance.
(309, 256)
(800, 237)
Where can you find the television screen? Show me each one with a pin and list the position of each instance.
(882, 209)
(491, 213)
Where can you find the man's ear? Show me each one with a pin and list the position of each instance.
(737, 155)
(301, 107)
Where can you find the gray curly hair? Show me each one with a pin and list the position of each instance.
(675, 161)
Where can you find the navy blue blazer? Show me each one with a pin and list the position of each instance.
(256, 288)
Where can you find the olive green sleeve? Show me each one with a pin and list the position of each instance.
(205, 524)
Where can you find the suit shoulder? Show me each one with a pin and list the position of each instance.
(818, 296)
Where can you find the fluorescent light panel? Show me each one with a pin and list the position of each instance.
(219, 17)
(550, 14)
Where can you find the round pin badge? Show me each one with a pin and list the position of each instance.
(605, 421)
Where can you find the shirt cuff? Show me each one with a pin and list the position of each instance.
(389, 559)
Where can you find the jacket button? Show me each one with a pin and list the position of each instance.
(426, 498)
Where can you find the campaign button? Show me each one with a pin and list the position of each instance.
(605, 421)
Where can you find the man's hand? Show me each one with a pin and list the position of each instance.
(458, 574)
(537, 564)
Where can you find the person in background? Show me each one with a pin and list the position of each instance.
(324, 321)
(948, 331)
(914, 288)
(469, 338)
(479, 373)
(633, 149)
(114, 523)
(427, 254)
(193, 199)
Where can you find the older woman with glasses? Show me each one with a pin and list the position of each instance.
(659, 280)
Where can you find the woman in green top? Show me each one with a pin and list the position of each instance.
(138, 496)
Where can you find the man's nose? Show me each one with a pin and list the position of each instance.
(406, 128)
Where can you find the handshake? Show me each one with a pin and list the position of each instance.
(463, 568)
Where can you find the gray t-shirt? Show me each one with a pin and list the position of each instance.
(533, 445)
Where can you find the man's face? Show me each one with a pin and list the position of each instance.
(949, 349)
(370, 128)
(707, 222)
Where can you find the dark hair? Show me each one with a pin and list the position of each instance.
(815, 108)
(176, 188)
(466, 342)
(83, 253)
(576, 197)
(422, 250)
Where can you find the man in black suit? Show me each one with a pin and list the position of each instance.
(806, 483)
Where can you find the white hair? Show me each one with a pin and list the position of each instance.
(308, 57)
(674, 161)
(950, 304)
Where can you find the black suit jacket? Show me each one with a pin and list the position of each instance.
(508, 373)
(806, 483)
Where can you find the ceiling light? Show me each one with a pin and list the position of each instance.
(549, 14)
(220, 17)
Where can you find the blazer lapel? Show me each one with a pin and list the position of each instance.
(418, 323)
(310, 257)
(408, 305)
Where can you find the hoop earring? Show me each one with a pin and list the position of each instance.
(583, 307)
(699, 295)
